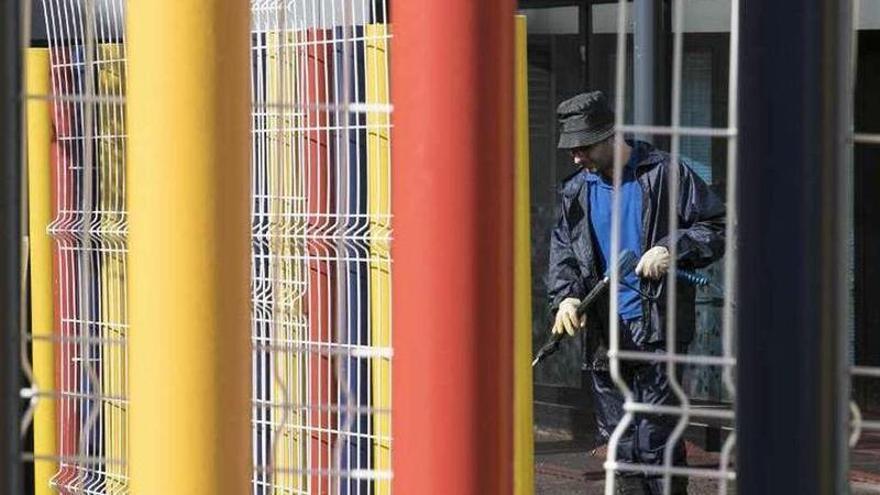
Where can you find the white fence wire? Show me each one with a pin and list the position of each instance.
(321, 233)
(684, 411)
(863, 420)
(321, 266)
(321, 323)
(87, 58)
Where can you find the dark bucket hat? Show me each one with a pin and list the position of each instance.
(584, 120)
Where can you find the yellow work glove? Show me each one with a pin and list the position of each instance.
(566, 317)
(654, 263)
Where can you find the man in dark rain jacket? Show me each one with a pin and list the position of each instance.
(579, 257)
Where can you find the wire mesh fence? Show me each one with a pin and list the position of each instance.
(321, 232)
(674, 408)
(87, 74)
(321, 260)
(863, 369)
(321, 325)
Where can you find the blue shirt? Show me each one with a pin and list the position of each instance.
(601, 194)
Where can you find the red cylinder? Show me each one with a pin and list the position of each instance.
(322, 272)
(452, 201)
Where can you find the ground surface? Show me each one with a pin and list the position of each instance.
(564, 466)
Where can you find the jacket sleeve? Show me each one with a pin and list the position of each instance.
(701, 229)
(564, 278)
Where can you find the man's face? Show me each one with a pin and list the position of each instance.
(596, 158)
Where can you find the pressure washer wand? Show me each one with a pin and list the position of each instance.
(626, 263)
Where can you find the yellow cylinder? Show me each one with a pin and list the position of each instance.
(39, 143)
(379, 208)
(188, 191)
(523, 444)
(112, 275)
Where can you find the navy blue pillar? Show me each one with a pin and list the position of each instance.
(792, 385)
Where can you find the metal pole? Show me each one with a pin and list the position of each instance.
(792, 387)
(644, 47)
(189, 233)
(523, 441)
(452, 204)
(10, 245)
(39, 144)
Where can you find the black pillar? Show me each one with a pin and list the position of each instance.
(792, 385)
(10, 245)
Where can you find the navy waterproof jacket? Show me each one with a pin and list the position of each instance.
(574, 263)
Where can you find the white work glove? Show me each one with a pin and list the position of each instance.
(654, 263)
(566, 317)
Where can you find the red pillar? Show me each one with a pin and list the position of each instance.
(452, 190)
(322, 272)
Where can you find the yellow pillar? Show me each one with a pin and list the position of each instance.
(39, 143)
(523, 453)
(284, 182)
(112, 273)
(188, 191)
(379, 207)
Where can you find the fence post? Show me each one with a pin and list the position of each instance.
(188, 189)
(10, 245)
(792, 384)
(452, 201)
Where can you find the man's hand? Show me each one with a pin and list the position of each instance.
(566, 317)
(654, 263)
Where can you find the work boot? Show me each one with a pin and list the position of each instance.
(629, 485)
